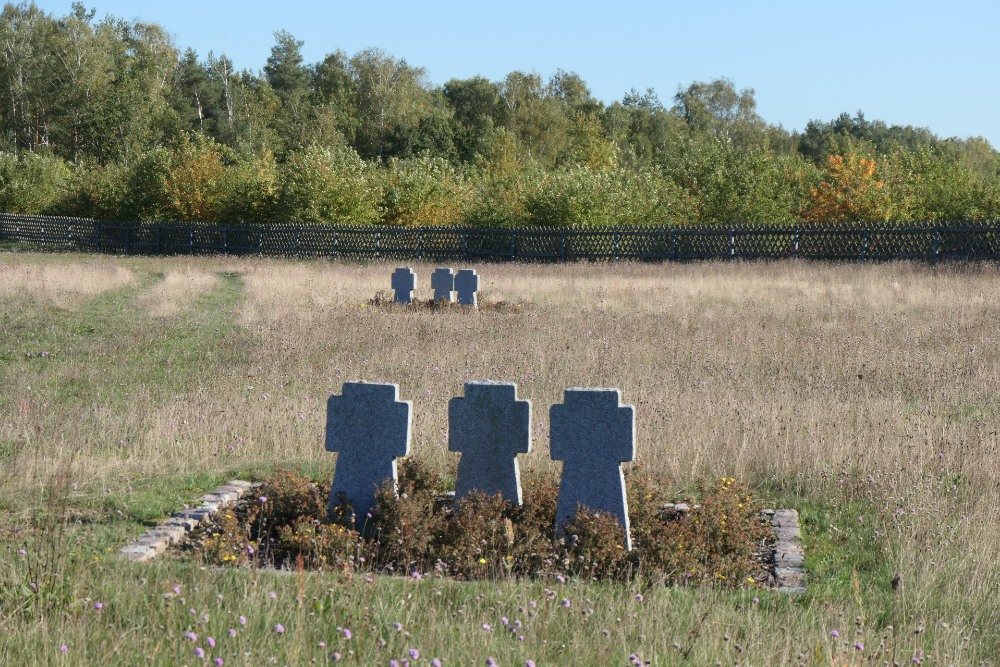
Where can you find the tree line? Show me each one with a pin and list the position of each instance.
(109, 119)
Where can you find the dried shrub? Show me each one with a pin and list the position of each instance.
(485, 537)
(594, 546)
(404, 526)
(479, 538)
(318, 546)
(715, 542)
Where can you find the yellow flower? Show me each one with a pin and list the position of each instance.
(482, 561)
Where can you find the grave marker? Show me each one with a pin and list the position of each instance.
(443, 282)
(490, 427)
(404, 281)
(592, 433)
(368, 426)
(467, 284)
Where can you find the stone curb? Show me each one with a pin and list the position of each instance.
(789, 556)
(174, 528)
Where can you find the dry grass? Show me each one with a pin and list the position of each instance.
(178, 290)
(870, 389)
(59, 281)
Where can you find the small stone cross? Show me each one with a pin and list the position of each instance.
(368, 426)
(467, 284)
(490, 427)
(404, 281)
(443, 282)
(592, 433)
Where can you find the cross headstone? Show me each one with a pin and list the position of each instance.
(404, 281)
(443, 283)
(592, 433)
(368, 426)
(490, 427)
(467, 284)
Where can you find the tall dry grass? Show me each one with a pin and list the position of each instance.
(871, 390)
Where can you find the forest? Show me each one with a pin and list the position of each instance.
(108, 119)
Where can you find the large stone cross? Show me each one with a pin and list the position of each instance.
(404, 281)
(592, 433)
(467, 284)
(368, 426)
(490, 427)
(443, 283)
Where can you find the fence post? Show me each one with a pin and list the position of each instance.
(465, 245)
(378, 244)
(795, 249)
(673, 245)
(225, 240)
(298, 242)
(128, 239)
(864, 244)
(732, 244)
(260, 242)
(616, 237)
(420, 244)
(937, 242)
(191, 239)
(513, 246)
(97, 236)
(159, 239)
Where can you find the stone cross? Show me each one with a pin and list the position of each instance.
(404, 281)
(467, 284)
(592, 433)
(490, 427)
(368, 426)
(443, 282)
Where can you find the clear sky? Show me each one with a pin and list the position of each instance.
(915, 62)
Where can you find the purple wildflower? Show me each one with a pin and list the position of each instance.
(565, 602)
(219, 662)
(279, 628)
(414, 654)
(200, 652)
(98, 606)
(347, 634)
(211, 641)
(859, 646)
(487, 628)
(834, 633)
(192, 636)
(232, 632)
(436, 662)
(64, 649)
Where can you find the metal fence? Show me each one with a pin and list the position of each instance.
(859, 242)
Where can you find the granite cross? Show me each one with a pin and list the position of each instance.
(592, 433)
(404, 281)
(467, 284)
(490, 427)
(443, 283)
(368, 426)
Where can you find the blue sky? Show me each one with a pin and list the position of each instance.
(928, 64)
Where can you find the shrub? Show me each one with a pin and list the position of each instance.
(327, 185)
(31, 183)
(423, 192)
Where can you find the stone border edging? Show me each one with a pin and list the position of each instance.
(789, 557)
(174, 528)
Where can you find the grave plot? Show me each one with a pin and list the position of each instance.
(596, 521)
(446, 284)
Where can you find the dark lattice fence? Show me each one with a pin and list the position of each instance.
(845, 242)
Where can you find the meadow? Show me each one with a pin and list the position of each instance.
(865, 396)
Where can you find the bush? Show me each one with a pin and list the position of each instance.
(423, 192)
(32, 184)
(323, 185)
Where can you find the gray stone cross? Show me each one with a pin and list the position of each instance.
(592, 433)
(490, 427)
(467, 284)
(404, 281)
(443, 283)
(368, 426)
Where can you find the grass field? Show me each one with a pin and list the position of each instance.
(865, 396)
